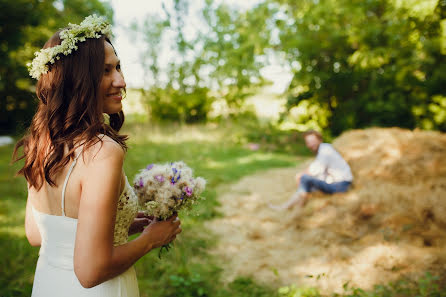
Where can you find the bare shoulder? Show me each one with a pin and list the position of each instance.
(106, 150)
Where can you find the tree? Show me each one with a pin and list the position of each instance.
(366, 63)
(235, 49)
(174, 90)
(223, 59)
(25, 26)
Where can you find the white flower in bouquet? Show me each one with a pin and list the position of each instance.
(165, 189)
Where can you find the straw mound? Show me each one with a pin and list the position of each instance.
(391, 223)
(408, 165)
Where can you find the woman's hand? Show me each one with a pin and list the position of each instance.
(160, 233)
(139, 223)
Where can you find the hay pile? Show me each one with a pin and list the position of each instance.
(391, 223)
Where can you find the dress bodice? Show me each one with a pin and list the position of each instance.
(59, 232)
(126, 212)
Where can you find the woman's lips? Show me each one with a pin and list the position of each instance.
(115, 96)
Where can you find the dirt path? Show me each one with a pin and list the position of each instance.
(332, 241)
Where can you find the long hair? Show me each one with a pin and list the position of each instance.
(69, 113)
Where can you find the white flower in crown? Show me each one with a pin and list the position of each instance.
(92, 26)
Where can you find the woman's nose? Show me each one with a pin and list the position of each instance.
(118, 80)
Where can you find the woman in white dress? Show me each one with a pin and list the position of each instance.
(80, 206)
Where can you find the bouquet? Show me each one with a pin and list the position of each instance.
(165, 189)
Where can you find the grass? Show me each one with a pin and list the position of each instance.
(18, 257)
(218, 154)
(214, 153)
(222, 156)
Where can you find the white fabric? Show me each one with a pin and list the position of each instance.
(329, 165)
(66, 182)
(54, 272)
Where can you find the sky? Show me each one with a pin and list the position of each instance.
(129, 46)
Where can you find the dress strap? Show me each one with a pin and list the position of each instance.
(66, 181)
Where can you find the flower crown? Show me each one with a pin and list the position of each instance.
(91, 27)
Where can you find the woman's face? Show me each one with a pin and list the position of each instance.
(112, 84)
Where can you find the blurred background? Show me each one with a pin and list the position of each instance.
(330, 65)
(229, 86)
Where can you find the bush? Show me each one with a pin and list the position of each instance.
(293, 291)
(178, 105)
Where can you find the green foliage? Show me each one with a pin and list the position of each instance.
(222, 60)
(269, 137)
(181, 106)
(426, 286)
(293, 291)
(183, 97)
(355, 64)
(234, 49)
(366, 63)
(19, 260)
(246, 287)
(188, 286)
(25, 26)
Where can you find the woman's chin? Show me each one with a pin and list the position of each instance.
(115, 109)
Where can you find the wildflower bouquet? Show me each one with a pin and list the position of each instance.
(166, 189)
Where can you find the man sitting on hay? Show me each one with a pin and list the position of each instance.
(328, 173)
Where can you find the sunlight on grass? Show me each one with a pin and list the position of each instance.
(174, 133)
(215, 164)
(254, 157)
(18, 231)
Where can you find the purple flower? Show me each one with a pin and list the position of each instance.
(140, 183)
(174, 179)
(150, 166)
(189, 191)
(159, 178)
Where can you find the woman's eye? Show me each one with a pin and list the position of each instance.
(106, 70)
(118, 67)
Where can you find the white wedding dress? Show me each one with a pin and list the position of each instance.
(54, 272)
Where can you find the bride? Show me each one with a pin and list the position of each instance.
(81, 208)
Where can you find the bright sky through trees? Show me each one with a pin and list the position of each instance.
(130, 46)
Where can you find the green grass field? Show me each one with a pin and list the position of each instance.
(187, 269)
(222, 156)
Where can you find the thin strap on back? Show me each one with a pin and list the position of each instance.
(66, 181)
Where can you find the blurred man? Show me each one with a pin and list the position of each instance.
(328, 173)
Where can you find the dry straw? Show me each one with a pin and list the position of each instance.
(391, 223)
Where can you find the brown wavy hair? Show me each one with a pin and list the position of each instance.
(69, 114)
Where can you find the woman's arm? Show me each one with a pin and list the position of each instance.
(95, 258)
(31, 229)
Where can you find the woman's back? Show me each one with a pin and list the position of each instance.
(55, 274)
(48, 199)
